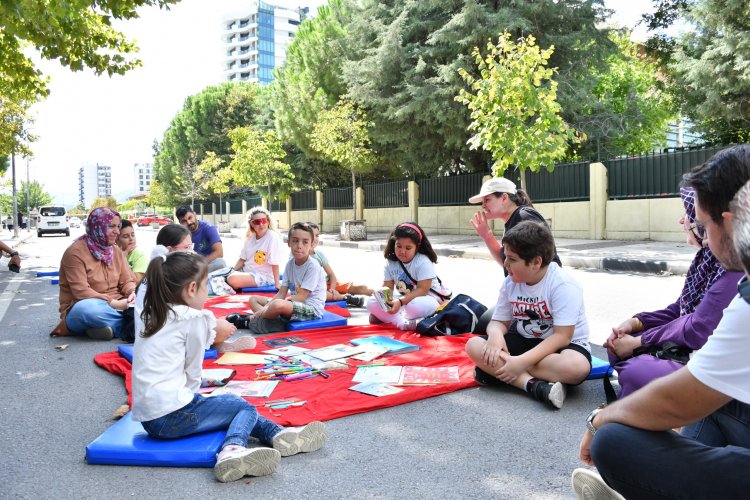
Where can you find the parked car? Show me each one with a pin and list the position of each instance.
(75, 222)
(148, 219)
(52, 219)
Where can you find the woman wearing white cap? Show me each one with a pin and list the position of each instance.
(501, 199)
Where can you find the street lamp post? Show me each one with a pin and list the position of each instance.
(15, 201)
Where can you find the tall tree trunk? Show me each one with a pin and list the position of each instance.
(354, 196)
(522, 176)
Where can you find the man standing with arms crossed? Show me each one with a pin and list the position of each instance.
(631, 442)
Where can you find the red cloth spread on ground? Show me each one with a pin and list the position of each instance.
(329, 398)
(241, 300)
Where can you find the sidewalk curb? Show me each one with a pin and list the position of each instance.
(573, 261)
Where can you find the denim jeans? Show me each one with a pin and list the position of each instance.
(203, 414)
(94, 313)
(651, 464)
(729, 425)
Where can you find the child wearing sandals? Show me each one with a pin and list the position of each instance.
(537, 340)
(410, 270)
(165, 387)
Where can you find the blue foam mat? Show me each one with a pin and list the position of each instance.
(126, 351)
(340, 303)
(127, 443)
(328, 319)
(54, 282)
(260, 289)
(599, 368)
(39, 274)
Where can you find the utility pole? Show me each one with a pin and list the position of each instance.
(14, 216)
(28, 197)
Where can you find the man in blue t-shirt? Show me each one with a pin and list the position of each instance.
(205, 236)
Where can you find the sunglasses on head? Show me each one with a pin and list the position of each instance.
(743, 287)
(258, 222)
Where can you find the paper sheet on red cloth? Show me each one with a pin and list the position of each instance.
(331, 398)
(241, 300)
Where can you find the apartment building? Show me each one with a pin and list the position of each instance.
(256, 39)
(94, 181)
(142, 175)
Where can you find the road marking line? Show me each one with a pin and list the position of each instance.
(7, 297)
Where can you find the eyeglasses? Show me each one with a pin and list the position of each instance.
(698, 230)
(743, 287)
(188, 246)
(258, 222)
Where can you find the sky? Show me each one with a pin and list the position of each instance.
(114, 121)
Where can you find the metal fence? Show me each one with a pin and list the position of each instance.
(387, 194)
(304, 200)
(451, 190)
(653, 175)
(340, 197)
(567, 182)
(207, 208)
(235, 206)
(277, 206)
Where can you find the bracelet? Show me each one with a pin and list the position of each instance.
(401, 302)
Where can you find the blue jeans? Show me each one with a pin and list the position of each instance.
(650, 464)
(93, 313)
(202, 414)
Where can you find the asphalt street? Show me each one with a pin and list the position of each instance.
(474, 443)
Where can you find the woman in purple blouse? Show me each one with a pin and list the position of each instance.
(687, 323)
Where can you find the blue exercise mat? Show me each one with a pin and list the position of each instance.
(40, 274)
(127, 443)
(599, 368)
(328, 319)
(126, 351)
(260, 289)
(54, 281)
(339, 303)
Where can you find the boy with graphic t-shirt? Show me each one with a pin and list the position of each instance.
(303, 278)
(538, 337)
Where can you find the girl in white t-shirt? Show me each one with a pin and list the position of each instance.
(260, 257)
(167, 367)
(410, 271)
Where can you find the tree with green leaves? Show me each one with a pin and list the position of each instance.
(514, 110)
(214, 177)
(201, 126)
(38, 197)
(78, 34)
(341, 135)
(632, 87)
(257, 162)
(404, 70)
(711, 70)
(103, 201)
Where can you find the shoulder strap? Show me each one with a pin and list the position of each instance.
(442, 296)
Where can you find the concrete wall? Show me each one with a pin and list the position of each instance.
(304, 216)
(447, 220)
(383, 220)
(569, 220)
(654, 219)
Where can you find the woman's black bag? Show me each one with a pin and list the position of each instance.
(460, 315)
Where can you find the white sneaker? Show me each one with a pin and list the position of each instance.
(589, 485)
(235, 462)
(241, 343)
(293, 440)
(408, 325)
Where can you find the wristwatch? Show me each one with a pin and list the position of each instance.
(14, 254)
(590, 419)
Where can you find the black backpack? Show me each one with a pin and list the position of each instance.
(460, 315)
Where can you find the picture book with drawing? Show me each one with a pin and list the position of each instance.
(381, 341)
(337, 351)
(282, 341)
(375, 389)
(423, 375)
(248, 388)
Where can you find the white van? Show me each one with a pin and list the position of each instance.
(52, 219)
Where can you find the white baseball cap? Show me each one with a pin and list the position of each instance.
(494, 185)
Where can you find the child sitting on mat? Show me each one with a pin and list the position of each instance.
(258, 265)
(538, 339)
(350, 292)
(410, 269)
(167, 366)
(303, 278)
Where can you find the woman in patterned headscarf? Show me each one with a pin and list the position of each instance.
(686, 324)
(96, 284)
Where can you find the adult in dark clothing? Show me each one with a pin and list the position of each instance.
(501, 199)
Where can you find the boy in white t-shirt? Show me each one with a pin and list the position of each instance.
(538, 337)
(303, 278)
